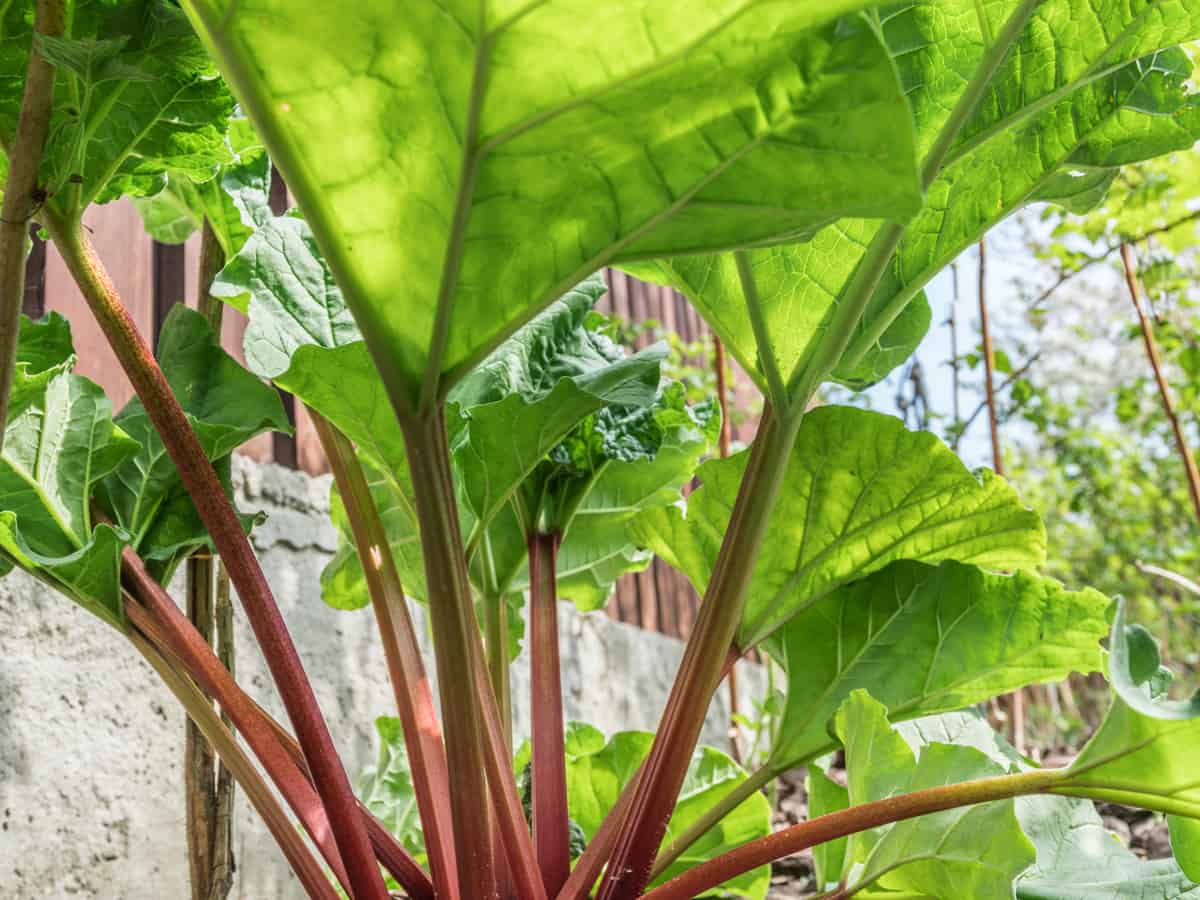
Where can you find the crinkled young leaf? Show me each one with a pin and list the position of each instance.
(928, 639)
(860, 492)
(598, 769)
(974, 851)
(235, 201)
(226, 406)
(427, 151)
(136, 96)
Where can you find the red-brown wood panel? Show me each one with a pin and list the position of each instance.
(116, 232)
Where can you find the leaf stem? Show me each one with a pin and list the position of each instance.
(223, 525)
(495, 625)
(776, 390)
(212, 259)
(406, 669)
(455, 631)
(21, 197)
(509, 817)
(705, 658)
(755, 782)
(551, 835)
(200, 711)
(698, 881)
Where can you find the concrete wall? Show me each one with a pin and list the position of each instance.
(90, 744)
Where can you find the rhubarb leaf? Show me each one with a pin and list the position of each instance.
(235, 202)
(927, 639)
(1143, 753)
(860, 492)
(59, 441)
(973, 851)
(441, 144)
(136, 97)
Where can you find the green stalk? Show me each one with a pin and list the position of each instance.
(776, 391)
(703, 878)
(755, 782)
(21, 196)
(455, 630)
(704, 661)
(223, 525)
(200, 711)
(495, 628)
(406, 669)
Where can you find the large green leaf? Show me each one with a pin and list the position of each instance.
(135, 97)
(798, 287)
(225, 405)
(1083, 92)
(974, 851)
(860, 492)
(924, 639)
(598, 769)
(59, 441)
(1077, 857)
(428, 151)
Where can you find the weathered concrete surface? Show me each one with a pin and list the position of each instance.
(90, 744)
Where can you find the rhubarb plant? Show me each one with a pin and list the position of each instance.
(462, 173)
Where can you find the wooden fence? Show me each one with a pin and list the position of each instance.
(152, 277)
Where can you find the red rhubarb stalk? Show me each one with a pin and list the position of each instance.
(221, 521)
(706, 876)
(414, 699)
(161, 621)
(200, 710)
(551, 837)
